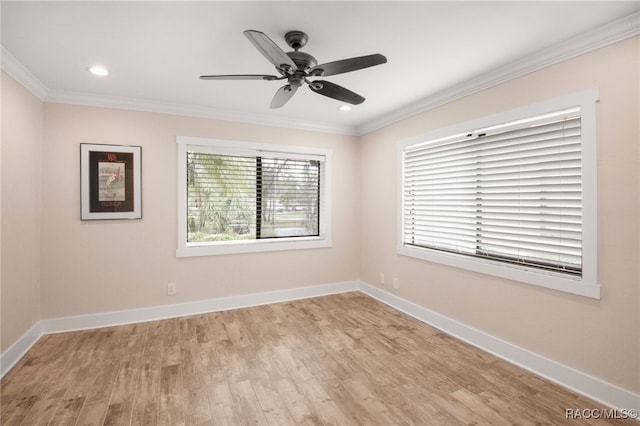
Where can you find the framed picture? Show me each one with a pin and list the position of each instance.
(110, 182)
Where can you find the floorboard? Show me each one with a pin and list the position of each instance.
(344, 359)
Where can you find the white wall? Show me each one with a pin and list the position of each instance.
(599, 337)
(21, 212)
(100, 266)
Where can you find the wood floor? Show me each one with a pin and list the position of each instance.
(343, 360)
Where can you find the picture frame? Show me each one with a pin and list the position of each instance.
(110, 182)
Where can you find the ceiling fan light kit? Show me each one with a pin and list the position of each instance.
(297, 67)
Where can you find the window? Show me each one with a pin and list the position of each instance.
(511, 195)
(239, 197)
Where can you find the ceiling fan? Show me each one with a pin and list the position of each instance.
(297, 67)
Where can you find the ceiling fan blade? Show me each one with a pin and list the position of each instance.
(270, 50)
(239, 77)
(348, 65)
(283, 95)
(334, 91)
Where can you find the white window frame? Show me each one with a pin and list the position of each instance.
(186, 249)
(586, 285)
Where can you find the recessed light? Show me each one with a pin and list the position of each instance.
(345, 108)
(98, 70)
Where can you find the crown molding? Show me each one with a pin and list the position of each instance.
(22, 75)
(613, 32)
(105, 101)
(616, 31)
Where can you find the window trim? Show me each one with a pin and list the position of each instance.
(587, 285)
(251, 246)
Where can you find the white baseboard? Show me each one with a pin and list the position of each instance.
(107, 319)
(12, 355)
(582, 383)
(568, 377)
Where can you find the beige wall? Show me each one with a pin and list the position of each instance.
(21, 166)
(98, 266)
(599, 337)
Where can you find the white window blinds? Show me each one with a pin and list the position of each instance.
(510, 193)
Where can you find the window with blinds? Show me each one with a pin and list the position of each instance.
(239, 197)
(510, 193)
(233, 197)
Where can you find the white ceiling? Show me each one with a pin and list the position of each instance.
(155, 51)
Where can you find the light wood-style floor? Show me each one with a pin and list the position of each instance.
(344, 359)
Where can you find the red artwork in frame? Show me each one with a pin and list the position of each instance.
(110, 182)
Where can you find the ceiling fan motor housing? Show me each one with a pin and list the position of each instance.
(303, 61)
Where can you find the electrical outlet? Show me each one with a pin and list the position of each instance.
(396, 283)
(381, 278)
(171, 289)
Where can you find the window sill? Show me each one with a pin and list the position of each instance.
(575, 285)
(237, 247)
